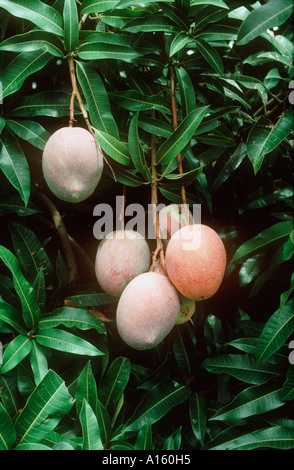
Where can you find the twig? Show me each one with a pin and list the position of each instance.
(154, 202)
(64, 238)
(175, 125)
(76, 94)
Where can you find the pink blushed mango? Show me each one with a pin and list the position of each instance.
(121, 256)
(147, 311)
(72, 164)
(196, 261)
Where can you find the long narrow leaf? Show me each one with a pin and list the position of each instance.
(71, 25)
(91, 432)
(66, 342)
(45, 407)
(277, 330)
(181, 136)
(7, 431)
(15, 352)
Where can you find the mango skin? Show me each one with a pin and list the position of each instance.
(196, 261)
(72, 164)
(147, 311)
(121, 256)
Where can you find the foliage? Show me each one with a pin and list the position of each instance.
(224, 381)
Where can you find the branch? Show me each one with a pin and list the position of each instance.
(64, 238)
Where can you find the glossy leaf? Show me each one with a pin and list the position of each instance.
(116, 149)
(71, 25)
(252, 401)
(30, 131)
(114, 381)
(97, 99)
(135, 147)
(188, 98)
(67, 342)
(7, 431)
(15, 352)
(263, 241)
(198, 415)
(31, 253)
(242, 367)
(45, 407)
(38, 12)
(26, 293)
(93, 6)
(14, 165)
(276, 332)
(24, 64)
(264, 17)
(32, 41)
(156, 403)
(210, 55)
(229, 167)
(276, 437)
(45, 103)
(181, 136)
(90, 428)
(136, 101)
(39, 362)
(144, 438)
(101, 50)
(86, 388)
(12, 316)
(179, 41)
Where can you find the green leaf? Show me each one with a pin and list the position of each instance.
(14, 165)
(72, 317)
(45, 103)
(37, 12)
(44, 409)
(252, 401)
(144, 438)
(151, 23)
(263, 241)
(93, 6)
(155, 126)
(187, 92)
(30, 131)
(91, 300)
(67, 342)
(113, 147)
(26, 293)
(31, 253)
(97, 99)
(156, 403)
(32, 41)
(90, 428)
(277, 437)
(210, 55)
(39, 362)
(102, 50)
(135, 147)
(136, 101)
(263, 138)
(86, 388)
(7, 431)
(24, 65)
(276, 332)
(263, 18)
(15, 352)
(217, 3)
(179, 42)
(181, 136)
(242, 367)
(32, 446)
(114, 381)
(104, 423)
(288, 387)
(71, 25)
(12, 316)
(198, 415)
(229, 167)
